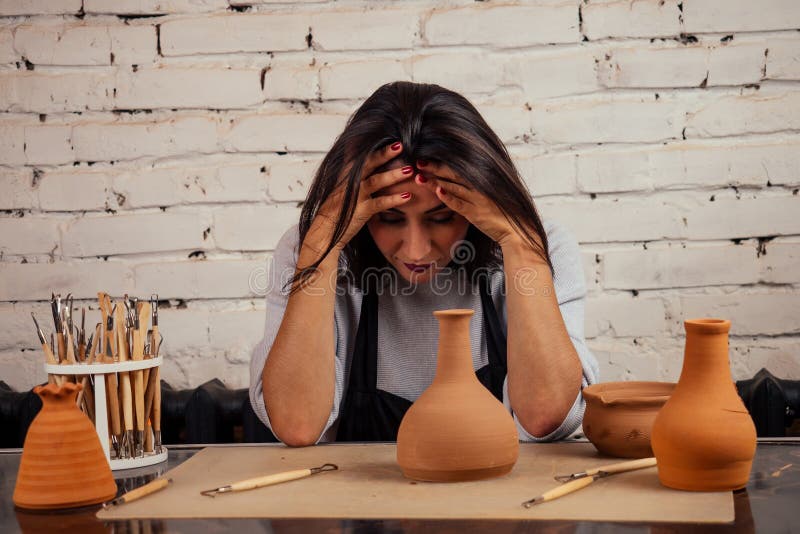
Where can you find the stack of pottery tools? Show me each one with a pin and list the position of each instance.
(123, 355)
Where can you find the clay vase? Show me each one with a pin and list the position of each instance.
(62, 464)
(703, 437)
(619, 416)
(456, 430)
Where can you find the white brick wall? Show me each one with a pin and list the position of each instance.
(168, 154)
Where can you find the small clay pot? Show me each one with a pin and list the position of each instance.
(456, 430)
(704, 438)
(62, 464)
(619, 416)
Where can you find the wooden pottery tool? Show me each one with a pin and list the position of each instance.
(138, 493)
(128, 445)
(610, 469)
(581, 480)
(140, 329)
(48, 352)
(268, 480)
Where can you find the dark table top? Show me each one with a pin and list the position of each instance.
(770, 503)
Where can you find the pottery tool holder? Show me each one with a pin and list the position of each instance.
(98, 371)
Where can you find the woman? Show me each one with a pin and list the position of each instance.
(418, 191)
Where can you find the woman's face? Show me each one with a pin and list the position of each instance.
(417, 237)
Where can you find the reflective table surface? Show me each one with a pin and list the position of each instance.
(770, 503)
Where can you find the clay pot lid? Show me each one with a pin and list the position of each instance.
(707, 325)
(629, 393)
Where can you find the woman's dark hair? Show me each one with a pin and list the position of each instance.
(434, 124)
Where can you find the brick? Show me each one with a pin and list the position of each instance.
(673, 266)
(128, 234)
(290, 179)
(48, 145)
(750, 313)
(749, 355)
(282, 133)
(736, 64)
(744, 114)
(39, 7)
(610, 119)
(199, 279)
(12, 141)
(17, 330)
(728, 218)
(637, 359)
(504, 26)
(252, 227)
(134, 45)
(654, 67)
(73, 190)
(624, 316)
(783, 60)
(610, 220)
(64, 44)
(780, 263)
(36, 281)
(41, 92)
(368, 29)
(7, 52)
(224, 33)
(688, 165)
(28, 235)
(184, 184)
(189, 87)
(622, 18)
(16, 189)
(456, 71)
(185, 332)
(591, 269)
(704, 16)
(511, 123)
(236, 332)
(555, 73)
(549, 174)
(22, 370)
(291, 81)
(360, 78)
(130, 140)
(152, 7)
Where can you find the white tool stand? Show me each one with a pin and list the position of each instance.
(98, 371)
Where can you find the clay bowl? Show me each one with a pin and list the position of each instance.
(619, 416)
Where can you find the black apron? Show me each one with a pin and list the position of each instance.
(370, 414)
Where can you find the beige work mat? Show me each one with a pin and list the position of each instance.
(370, 485)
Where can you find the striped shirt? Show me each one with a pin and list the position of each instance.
(408, 331)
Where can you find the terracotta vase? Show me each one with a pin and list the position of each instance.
(619, 416)
(703, 437)
(456, 430)
(62, 464)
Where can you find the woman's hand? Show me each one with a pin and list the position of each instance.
(322, 228)
(457, 195)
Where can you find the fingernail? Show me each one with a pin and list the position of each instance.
(408, 169)
(396, 146)
(422, 163)
(405, 195)
(421, 179)
(442, 191)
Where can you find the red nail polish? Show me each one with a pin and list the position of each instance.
(396, 146)
(422, 163)
(405, 195)
(408, 169)
(442, 191)
(421, 179)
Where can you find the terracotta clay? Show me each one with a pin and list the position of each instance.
(703, 437)
(456, 430)
(619, 416)
(62, 464)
